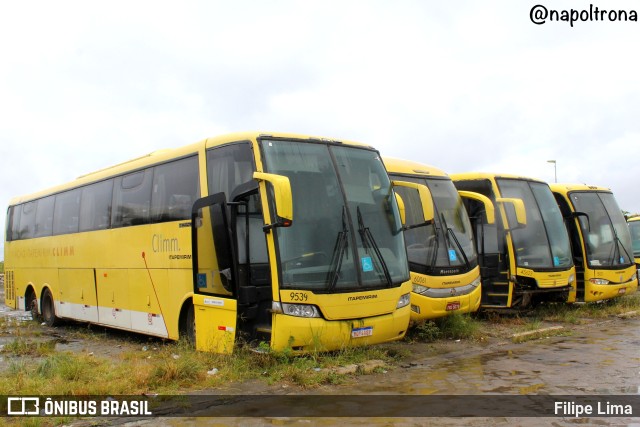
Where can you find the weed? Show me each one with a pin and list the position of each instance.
(458, 326)
(177, 371)
(22, 347)
(455, 326)
(426, 331)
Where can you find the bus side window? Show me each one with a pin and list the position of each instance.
(95, 206)
(132, 199)
(489, 239)
(28, 220)
(486, 235)
(175, 189)
(257, 250)
(66, 213)
(44, 217)
(228, 167)
(13, 222)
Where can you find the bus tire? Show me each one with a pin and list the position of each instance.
(188, 324)
(48, 309)
(31, 304)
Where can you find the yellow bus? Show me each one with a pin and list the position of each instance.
(600, 241)
(442, 255)
(280, 239)
(525, 257)
(634, 229)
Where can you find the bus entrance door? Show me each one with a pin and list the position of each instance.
(214, 300)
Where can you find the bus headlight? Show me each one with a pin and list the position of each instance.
(300, 310)
(419, 289)
(599, 281)
(475, 283)
(404, 300)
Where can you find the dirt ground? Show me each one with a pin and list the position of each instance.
(108, 342)
(498, 363)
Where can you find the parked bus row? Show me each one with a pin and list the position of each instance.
(304, 243)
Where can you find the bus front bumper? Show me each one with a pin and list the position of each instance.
(424, 307)
(316, 334)
(602, 292)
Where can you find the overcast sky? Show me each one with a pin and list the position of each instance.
(464, 86)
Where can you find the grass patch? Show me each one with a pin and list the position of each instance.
(19, 327)
(580, 312)
(34, 367)
(612, 307)
(173, 368)
(455, 326)
(23, 347)
(557, 312)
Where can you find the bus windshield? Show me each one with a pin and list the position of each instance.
(543, 243)
(346, 233)
(448, 242)
(607, 241)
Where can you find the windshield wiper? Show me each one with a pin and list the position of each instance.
(618, 244)
(342, 243)
(455, 240)
(369, 241)
(436, 244)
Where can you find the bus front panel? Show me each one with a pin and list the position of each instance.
(444, 295)
(349, 329)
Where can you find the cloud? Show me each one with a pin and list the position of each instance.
(470, 86)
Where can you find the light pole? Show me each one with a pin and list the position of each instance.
(555, 170)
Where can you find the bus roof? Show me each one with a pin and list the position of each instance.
(633, 218)
(567, 188)
(163, 155)
(490, 175)
(240, 136)
(409, 167)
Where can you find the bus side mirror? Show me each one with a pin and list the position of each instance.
(282, 196)
(425, 197)
(518, 206)
(403, 212)
(489, 209)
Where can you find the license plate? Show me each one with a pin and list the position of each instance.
(622, 291)
(362, 332)
(453, 306)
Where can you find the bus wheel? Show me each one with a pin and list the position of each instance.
(188, 327)
(31, 303)
(48, 309)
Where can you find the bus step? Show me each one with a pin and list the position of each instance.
(495, 294)
(263, 329)
(485, 306)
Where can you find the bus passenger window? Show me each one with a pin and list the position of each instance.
(28, 221)
(66, 212)
(132, 199)
(175, 189)
(95, 206)
(13, 223)
(44, 217)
